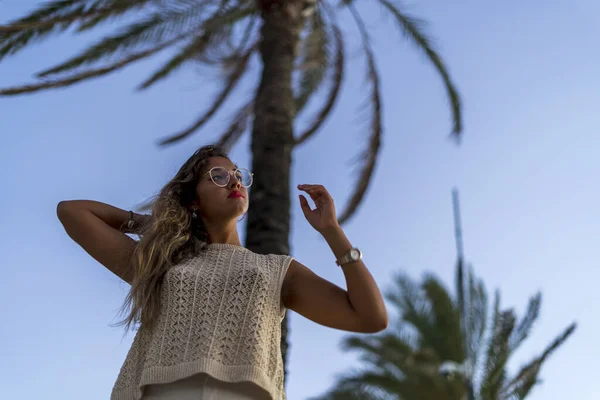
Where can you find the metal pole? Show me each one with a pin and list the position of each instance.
(467, 367)
(457, 224)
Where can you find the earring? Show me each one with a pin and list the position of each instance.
(195, 214)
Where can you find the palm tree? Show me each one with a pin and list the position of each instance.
(440, 348)
(423, 354)
(302, 50)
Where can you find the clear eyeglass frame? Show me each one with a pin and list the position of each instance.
(242, 171)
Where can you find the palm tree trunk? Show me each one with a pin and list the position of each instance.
(268, 225)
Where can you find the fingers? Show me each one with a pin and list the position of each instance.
(315, 191)
(306, 186)
(304, 204)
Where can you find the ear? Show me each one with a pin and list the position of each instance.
(194, 206)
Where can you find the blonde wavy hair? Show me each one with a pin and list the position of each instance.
(169, 237)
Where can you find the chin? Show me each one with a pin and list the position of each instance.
(237, 211)
(241, 213)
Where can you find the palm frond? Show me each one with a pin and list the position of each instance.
(524, 387)
(497, 353)
(448, 341)
(79, 13)
(352, 391)
(20, 32)
(313, 60)
(334, 89)
(86, 75)
(148, 30)
(371, 382)
(418, 383)
(416, 310)
(230, 83)
(404, 292)
(413, 28)
(558, 341)
(520, 386)
(210, 29)
(382, 351)
(478, 304)
(524, 327)
(117, 9)
(195, 46)
(524, 381)
(57, 16)
(224, 20)
(369, 156)
(227, 57)
(237, 127)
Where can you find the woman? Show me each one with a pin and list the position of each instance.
(209, 310)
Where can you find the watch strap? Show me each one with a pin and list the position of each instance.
(347, 258)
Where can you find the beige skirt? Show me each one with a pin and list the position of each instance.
(204, 387)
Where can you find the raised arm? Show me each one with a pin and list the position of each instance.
(360, 308)
(100, 229)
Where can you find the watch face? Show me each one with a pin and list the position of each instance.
(354, 254)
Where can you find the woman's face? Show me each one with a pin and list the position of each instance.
(221, 203)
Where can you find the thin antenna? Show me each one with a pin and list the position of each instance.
(457, 225)
(463, 298)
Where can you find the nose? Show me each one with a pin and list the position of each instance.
(234, 182)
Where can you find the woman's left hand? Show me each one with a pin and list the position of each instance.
(323, 217)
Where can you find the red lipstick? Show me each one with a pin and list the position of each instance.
(234, 195)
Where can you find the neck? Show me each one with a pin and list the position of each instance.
(222, 232)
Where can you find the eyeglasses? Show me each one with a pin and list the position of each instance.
(221, 176)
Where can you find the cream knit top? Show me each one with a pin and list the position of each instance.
(220, 315)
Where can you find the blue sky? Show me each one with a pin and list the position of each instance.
(527, 170)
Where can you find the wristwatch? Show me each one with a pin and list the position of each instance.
(352, 256)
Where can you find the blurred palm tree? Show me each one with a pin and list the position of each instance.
(302, 50)
(440, 346)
